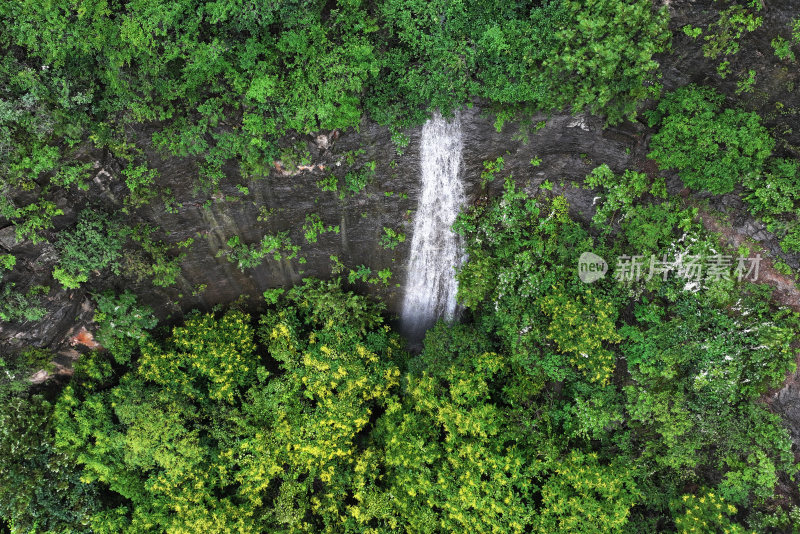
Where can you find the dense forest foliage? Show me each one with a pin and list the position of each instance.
(631, 404)
(556, 406)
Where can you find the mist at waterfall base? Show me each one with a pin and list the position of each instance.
(430, 289)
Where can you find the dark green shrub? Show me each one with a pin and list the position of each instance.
(17, 306)
(40, 486)
(94, 244)
(16, 370)
(156, 261)
(123, 324)
(712, 148)
(245, 256)
(775, 199)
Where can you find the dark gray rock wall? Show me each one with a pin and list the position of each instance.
(568, 146)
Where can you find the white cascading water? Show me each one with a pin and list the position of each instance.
(435, 250)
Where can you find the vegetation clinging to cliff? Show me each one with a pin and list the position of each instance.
(224, 80)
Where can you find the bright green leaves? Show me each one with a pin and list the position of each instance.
(322, 79)
(30, 220)
(452, 462)
(211, 358)
(461, 456)
(648, 227)
(199, 432)
(621, 191)
(612, 381)
(324, 305)
(141, 183)
(521, 265)
(774, 199)
(511, 423)
(580, 326)
(391, 238)
(697, 370)
(151, 438)
(723, 36)
(560, 55)
(595, 66)
(302, 427)
(261, 88)
(322, 404)
(776, 193)
(427, 63)
(278, 246)
(705, 513)
(226, 79)
(783, 47)
(583, 495)
(25, 171)
(726, 358)
(711, 148)
(193, 65)
(17, 306)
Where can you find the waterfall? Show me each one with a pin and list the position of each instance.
(436, 251)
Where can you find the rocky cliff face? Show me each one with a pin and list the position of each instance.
(568, 146)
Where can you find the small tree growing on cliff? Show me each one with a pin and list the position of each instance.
(711, 148)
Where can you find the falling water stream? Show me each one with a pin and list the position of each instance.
(436, 251)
